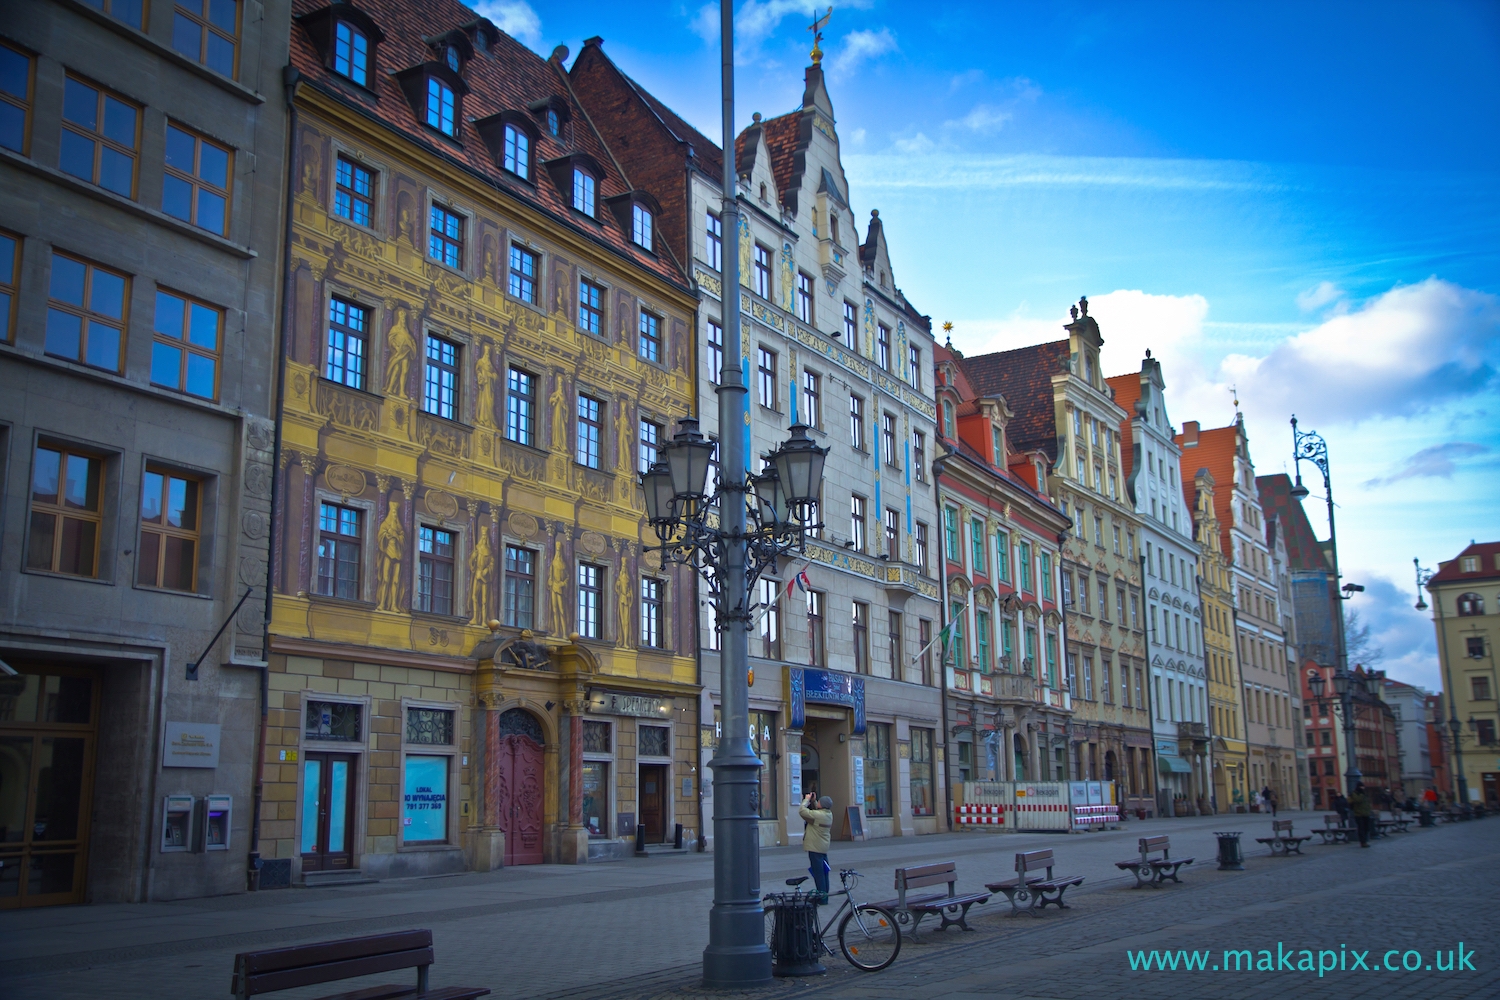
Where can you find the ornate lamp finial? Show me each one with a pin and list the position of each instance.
(817, 29)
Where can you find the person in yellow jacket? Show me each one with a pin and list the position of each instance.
(815, 839)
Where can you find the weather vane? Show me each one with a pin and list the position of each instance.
(817, 29)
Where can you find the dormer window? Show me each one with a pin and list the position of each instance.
(440, 105)
(351, 53)
(511, 137)
(451, 57)
(436, 95)
(517, 156)
(554, 123)
(585, 191)
(640, 226)
(553, 114)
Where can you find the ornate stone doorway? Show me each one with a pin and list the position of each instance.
(518, 786)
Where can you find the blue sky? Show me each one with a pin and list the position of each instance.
(1300, 202)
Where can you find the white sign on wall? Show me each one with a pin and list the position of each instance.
(190, 744)
(795, 779)
(859, 782)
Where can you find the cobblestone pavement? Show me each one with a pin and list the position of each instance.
(635, 930)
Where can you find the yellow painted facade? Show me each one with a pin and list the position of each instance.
(1226, 715)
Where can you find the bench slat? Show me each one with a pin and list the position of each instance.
(919, 871)
(273, 959)
(307, 975)
(925, 880)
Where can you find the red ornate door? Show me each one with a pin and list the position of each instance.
(518, 798)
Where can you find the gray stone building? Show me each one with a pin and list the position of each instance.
(141, 212)
(841, 703)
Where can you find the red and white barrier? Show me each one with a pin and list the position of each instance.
(979, 815)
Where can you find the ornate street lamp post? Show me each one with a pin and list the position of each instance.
(1309, 446)
(1455, 728)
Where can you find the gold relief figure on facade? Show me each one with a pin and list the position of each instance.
(481, 565)
(745, 248)
(484, 372)
(557, 583)
(391, 543)
(557, 402)
(623, 594)
(623, 443)
(403, 353)
(404, 215)
(787, 286)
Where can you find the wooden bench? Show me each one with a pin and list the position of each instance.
(1154, 871)
(1032, 890)
(912, 909)
(1396, 821)
(1333, 831)
(277, 969)
(1282, 841)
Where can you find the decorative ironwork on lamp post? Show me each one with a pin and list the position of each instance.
(1455, 728)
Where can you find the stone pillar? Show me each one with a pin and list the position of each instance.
(484, 845)
(575, 836)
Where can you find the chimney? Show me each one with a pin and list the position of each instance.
(1190, 433)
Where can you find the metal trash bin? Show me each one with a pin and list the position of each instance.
(1230, 857)
(1426, 818)
(794, 934)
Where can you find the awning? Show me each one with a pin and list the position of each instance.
(1175, 765)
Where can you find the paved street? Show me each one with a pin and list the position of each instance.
(636, 929)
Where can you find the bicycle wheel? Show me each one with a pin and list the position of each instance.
(869, 937)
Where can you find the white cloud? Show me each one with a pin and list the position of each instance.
(1437, 461)
(972, 173)
(514, 17)
(1319, 296)
(983, 118)
(757, 20)
(915, 144)
(857, 137)
(858, 47)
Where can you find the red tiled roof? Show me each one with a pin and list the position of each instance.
(1215, 451)
(1488, 554)
(1127, 390)
(1303, 550)
(1024, 378)
(508, 77)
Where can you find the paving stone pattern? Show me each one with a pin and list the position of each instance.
(635, 930)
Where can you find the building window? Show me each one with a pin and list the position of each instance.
(1007, 643)
(851, 325)
(523, 270)
(590, 306)
(861, 623)
(1026, 586)
(100, 137)
(817, 629)
(760, 270)
(883, 346)
(185, 351)
(948, 431)
(1484, 732)
(1045, 571)
(640, 227)
(982, 640)
(440, 387)
(1051, 660)
(440, 106)
(1002, 555)
(877, 769)
(650, 345)
(434, 570)
(713, 233)
(424, 799)
(517, 153)
(897, 641)
(1470, 604)
(554, 123)
(351, 53)
(770, 620)
(15, 98)
(857, 522)
(590, 428)
(649, 442)
(585, 188)
(429, 727)
(520, 407)
(1474, 647)
(445, 237)
(354, 192)
(950, 534)
(520, 587)
(914, 363)
(1480, 687)
(715, 352)
(334, 721)
(955, 640)
(207, 32)
(893, 534)
(976, 547)
(888, 438)
(651, 609)
(924, 557)
(919, 455)
(195, 187)
(340, 536)
(857, 422)
(804, 297)
(65, 512)
(766, 377)
(920, 781)
(924, 642)
(86, 312)
(763, 741)
(812, 399)
(590, 584)
(10, 277)
(596, 791)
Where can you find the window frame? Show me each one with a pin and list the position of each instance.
(893, 534)
(767, 390)
(919, 456)
(197, 184)
(817, 628)
(340, 538)
(649, 344)
(858, 521)
(96, 137)
(514, 159)
(10, 286)
(185, 344)
(888, 430)
(859, 627)
(650, 435)
(354, 197)
(857, 422)
(207, 28)
(812, 399)
(87, 316)
(449, 395)
(521, 283)
(914, 366)
(588, 607)
(919, 772)
(27, 102)
(851, 325)
(715, 339)
(805, 303)
(585, 189)
(589, 432)
(713, 240)
(511, 587)
(446, 111)
(760, 271)
(878, 770)
(883, 347)
(59, 510)
(356, 34)
(642, 227)
(520, 407)
(348, 333)
(591, 299)
(445, 212)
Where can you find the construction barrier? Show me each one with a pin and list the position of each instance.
(1093, 805)
(970, 814)
(1062, 806)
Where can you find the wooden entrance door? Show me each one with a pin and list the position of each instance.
(47, 726)
(518, 798)
(328, 811)
(653, 802)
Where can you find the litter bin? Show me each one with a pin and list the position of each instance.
(1426, 818)
(1230, 858)
(794, 933)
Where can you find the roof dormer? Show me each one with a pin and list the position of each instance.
(435, 92)
(554, 115)
(346, 38)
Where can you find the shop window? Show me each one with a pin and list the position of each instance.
(921, 772)
(596, 737)
(654, 741)
(65, 512)
(334, 721)
(877, 769)
(424, 800)
(168, 556)
(763, 741)
(596, 797)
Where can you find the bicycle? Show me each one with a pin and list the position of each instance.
(869, 935)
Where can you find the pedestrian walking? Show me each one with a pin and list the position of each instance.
(816, 836)
(1269, 798)
(1359, 805)
(1341, 806)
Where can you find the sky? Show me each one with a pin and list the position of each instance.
(1296, 205)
